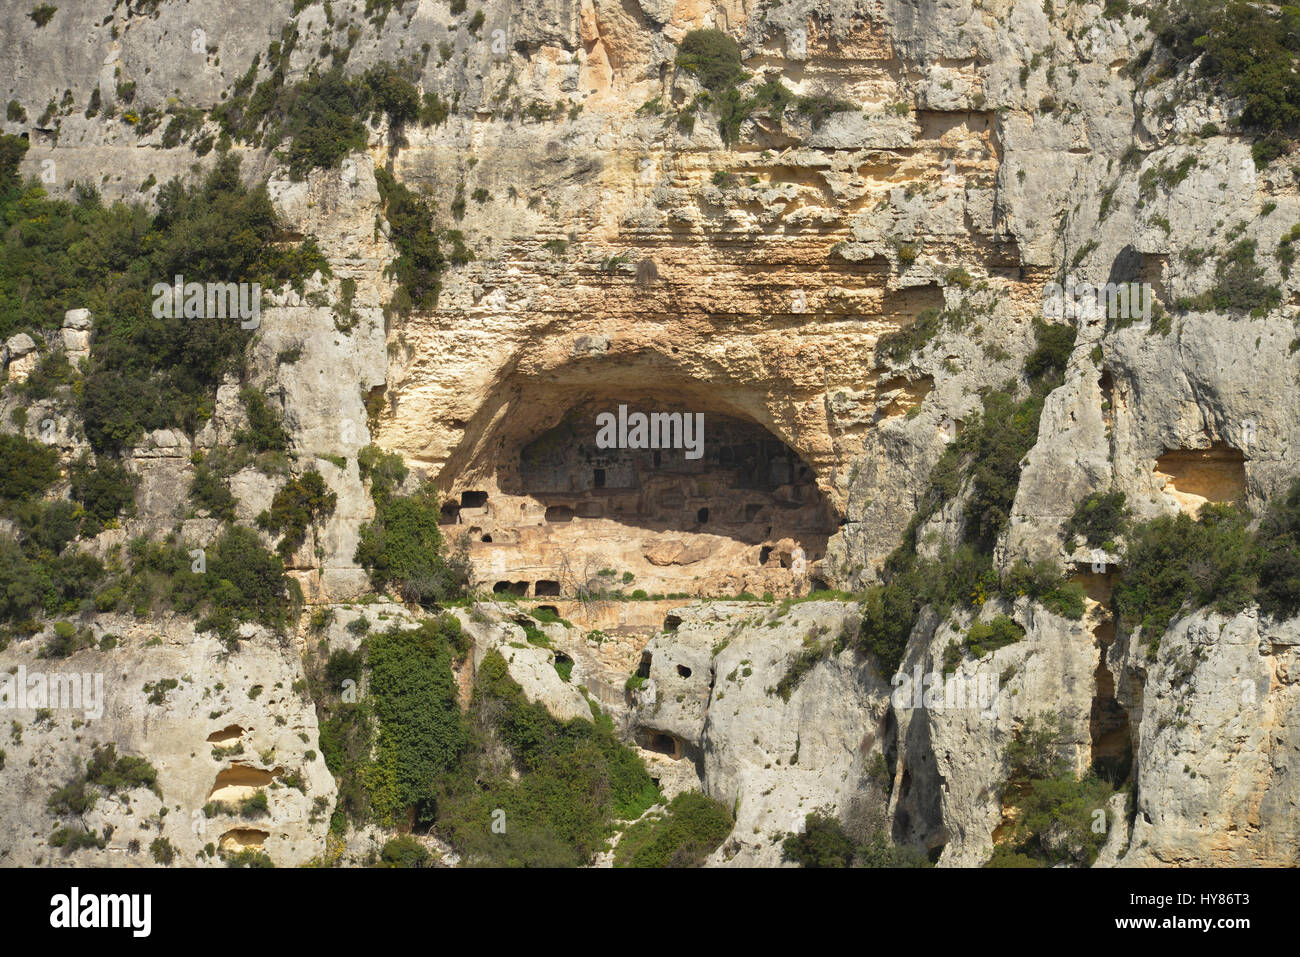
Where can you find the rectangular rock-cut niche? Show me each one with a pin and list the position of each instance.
(1194, 477)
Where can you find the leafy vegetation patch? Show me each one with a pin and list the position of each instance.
(145, 372)
(1099, 519)
(303, 501)
(824, 843)
(691, 829)
(1055, 808)
(1249, 50)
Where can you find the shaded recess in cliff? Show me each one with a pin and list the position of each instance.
(720, 506)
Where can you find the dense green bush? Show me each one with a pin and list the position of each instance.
(691, 829)
(403, 547)
(713, 57)
(1177, 564)
(346, 739)
(1248, 49)
(27, 469)
(421, 731)
(1056, 808)
(33, 583)
(1052, 348)
(265, 431)
(301, 502)
(986, 636)
(242, 583)
(404, 851)
(144, 372)
(1277, 550)
(567, 784)
(105, 490)
(385, 471)
(105, 772)
(209, 492)
(824, 843)
(1099, 519)
(420, 260)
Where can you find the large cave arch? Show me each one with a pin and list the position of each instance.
(696, 498)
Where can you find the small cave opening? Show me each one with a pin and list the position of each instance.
(228, 734)
(510, 588)
(240, 781)
(549, 608)
(243, 839)
(1194, 477)
(702, 516)
(672, 622)
(545, 587)
(450, 514)
(473, 499)
(559, 513)
(598, 478)
(486, 539)
(660, 743)
(643, 669)
(764, 554)
(683, 671)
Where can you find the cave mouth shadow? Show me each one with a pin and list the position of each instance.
(735, 479)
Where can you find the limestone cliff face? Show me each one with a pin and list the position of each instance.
(620, 257)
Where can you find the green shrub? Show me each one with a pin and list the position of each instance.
(1277, 547)
(1175, 565)
(162, 851)
(70, 839)
(303, 501)
(243, 583)
(255, 805)
(67, 640)
(692, 828)
(822, 843)
(404, 851)
(1055, 808)
(572, 779)
(799, 666)
(385, 471)
(105, 772)
(713, 57)
(144, 372)
(209, 492)
(249, 857)
(1099, 519)
(27, 469)
(1054, 343)
(403, 547)
(105, 490)
(421, 730)
(420, 260)
(265, 432)
(984, 637)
